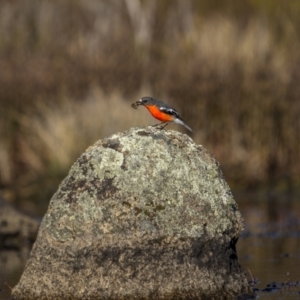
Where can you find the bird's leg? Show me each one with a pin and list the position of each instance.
(162, 127)
(157, 124)
(164, 124)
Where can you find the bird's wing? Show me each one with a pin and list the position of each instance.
(169, 111)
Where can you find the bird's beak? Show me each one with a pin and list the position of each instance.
(136, 104)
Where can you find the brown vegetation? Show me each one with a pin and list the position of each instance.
(70, 69)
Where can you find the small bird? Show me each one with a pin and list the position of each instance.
(161, 111)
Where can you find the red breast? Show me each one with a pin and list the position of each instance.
(159, 115)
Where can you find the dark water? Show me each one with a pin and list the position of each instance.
(12, 264)
(268, 250)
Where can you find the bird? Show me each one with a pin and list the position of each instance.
(161, 111)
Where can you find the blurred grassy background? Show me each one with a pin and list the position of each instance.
(70, 70)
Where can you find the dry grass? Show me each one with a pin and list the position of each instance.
(53, 135)
(72, 68)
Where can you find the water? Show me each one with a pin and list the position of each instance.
(274, 262)
(268, 250)
(12, 264)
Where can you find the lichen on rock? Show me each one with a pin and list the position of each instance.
(144, 214)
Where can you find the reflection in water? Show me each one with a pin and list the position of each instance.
(12, 264)
(269, 248)
(272, 217)
(271, 260)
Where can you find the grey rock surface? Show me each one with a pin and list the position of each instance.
(16, 228)
(144, 214)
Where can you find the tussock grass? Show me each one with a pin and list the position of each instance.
(52, 137)
(62, 132)
(70, 70)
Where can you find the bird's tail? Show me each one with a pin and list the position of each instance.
(181, 122)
